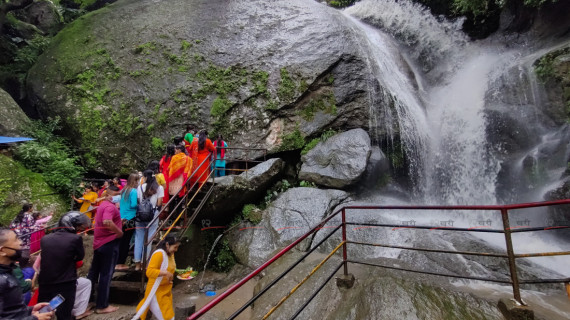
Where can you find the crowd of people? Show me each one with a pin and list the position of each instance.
(114, 213)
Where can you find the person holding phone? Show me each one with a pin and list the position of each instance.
(12, 306)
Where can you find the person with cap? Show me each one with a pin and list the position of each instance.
(106, 240)
(12, 305)
(61, 250)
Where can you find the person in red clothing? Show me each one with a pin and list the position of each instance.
(163, 166)
(106, 239)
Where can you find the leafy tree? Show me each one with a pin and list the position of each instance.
(51, 156)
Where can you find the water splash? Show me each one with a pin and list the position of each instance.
(200, 285)
(432, 39)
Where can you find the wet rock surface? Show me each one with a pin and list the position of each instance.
(289, 217)
(338, 162)
(232, 192)
(263, 74)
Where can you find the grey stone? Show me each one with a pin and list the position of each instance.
(184, 308)
(345, 281)
(290, 216)
(232, 192)
(12, 118)
(513, 311)
(44, 15)
(338, 162)
(311, 41)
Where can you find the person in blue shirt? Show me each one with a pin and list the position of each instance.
(128, 209)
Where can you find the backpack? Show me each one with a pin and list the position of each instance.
(145, 210)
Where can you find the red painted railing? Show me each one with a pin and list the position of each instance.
(506, 229)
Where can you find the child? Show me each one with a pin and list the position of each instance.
(41, 224)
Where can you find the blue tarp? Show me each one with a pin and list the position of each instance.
(4, 140)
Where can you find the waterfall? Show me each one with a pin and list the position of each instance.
(437, 89)
(442, 124)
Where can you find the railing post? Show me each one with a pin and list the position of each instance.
(511, 255)
(143, 258)
(344, 253)
(246, 162)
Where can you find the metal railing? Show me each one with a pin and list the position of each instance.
(194, 187)
(506, 229)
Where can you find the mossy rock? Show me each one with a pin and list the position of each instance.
(159, 68)
(12, 118)
(19, 185)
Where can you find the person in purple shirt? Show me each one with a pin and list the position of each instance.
(106, 240)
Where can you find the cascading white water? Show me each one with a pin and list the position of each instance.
(442, 126)
(440, 110)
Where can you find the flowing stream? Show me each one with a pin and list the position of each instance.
(441, 85)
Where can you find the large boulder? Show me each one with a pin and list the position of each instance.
(19, 185)
(265, 75)
(232, 192)
(12, 118)
(43, 15)
(338, 162)
(289, 217)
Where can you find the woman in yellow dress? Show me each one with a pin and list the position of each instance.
(87, 201)
(160, 273)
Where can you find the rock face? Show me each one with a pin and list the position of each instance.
(377, 294)
(264, 74)
(44, 15)
(232, 192)
(540, 145)
(339, 161)
(12, 118)
(289, 217)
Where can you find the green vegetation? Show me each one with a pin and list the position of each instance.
(157, 146)
(341, 3)
(482, 7)
(251, 213)
(325, 103)
(313, 143)
(51, 156)
(292, 141)
(145, 48)
(21, 185)
(220, 106)
(309, 146)
(307, 184)
(544, 67)
(287, 87)
(184, 45)
(225, 259)
(23, 58)
(274, 192)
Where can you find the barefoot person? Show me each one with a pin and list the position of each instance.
(106, 239)
(160, 273)
(12, 305)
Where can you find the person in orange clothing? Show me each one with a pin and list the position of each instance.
(160, 273)
(178, 171)
(88, 199)
(202, 166)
